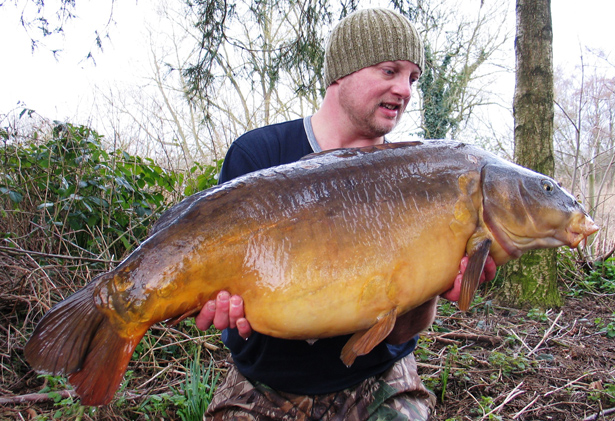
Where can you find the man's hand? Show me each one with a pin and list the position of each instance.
(223, 312)
(488, 274)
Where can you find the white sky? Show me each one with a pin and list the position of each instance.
(63, 89)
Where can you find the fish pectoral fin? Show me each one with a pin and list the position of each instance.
(471, 277)
(364, 341)
(174, 321)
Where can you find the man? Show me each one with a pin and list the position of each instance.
(372, 59)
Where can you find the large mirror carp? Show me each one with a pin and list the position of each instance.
(340, 242)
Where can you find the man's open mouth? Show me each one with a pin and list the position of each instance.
(390, 106)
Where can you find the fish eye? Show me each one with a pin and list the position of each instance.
(548, 186)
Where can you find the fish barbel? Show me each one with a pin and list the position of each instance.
(340, 242)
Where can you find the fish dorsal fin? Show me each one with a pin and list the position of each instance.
(351, 152)
(471, 277)
(364, 341)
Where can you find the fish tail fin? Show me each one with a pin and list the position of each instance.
(105, 364)
(76, 339)
(471, 277)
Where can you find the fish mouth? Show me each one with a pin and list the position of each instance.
(579, 230)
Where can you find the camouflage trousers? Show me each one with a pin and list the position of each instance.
(397, 394)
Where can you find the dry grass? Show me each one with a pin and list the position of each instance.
(524, 365)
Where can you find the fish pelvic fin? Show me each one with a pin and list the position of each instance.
(76, 339)
(364, 341)
(471, 277)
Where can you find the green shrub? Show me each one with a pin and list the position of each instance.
(75, 191)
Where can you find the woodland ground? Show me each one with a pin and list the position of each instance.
(493, 363)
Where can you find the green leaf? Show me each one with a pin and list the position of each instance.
(15, 197)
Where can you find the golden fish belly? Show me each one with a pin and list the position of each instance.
(313, 289)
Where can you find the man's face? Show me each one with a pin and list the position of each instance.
(374, 98)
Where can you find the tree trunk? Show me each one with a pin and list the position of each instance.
(531, 281)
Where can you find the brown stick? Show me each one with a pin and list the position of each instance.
(599, 414)
(37, 397)
(12, 250)
(468, 337)
(51, 396)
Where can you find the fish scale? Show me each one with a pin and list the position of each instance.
(341, 242)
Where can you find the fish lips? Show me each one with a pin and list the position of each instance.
(580, 229)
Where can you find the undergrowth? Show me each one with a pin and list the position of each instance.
(71, 210)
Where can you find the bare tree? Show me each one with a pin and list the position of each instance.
(465, 52)
(531, 281)
(585, 143)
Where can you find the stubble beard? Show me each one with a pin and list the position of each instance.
(364, 120)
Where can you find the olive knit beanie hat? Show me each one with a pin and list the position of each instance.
(368, 37)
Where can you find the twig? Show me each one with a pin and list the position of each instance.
(446, 341)
(64, 394)
(469, 337)
(600, 413)
(526, 407)
(438, 367)
(12, 250)
(37, 397)
(513, 394)
(546, 335)
(156, 375)
(520, 340)
(566, 385)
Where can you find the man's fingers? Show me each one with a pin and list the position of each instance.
(463, 264)
(235, 310)
(453, 293)
(205, 318)
(490, 269)
(487, 275)
(243, 328)
(225, 311)
(221, 318)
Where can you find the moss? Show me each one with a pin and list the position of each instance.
(531, 281)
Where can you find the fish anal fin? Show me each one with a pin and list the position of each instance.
(364, 341)
(104, 367)
(471, 276)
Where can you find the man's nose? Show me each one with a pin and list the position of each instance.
(402, 87)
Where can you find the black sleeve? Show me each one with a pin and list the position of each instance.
(239, 161)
